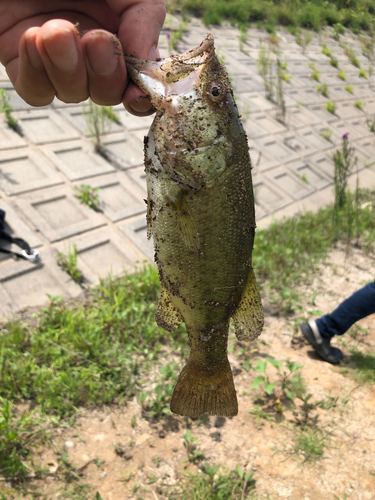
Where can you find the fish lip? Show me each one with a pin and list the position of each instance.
(155, 77)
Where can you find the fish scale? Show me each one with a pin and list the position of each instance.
(202, 220)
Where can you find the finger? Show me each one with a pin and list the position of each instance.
(32, 82)
(106, 70)
(60, 48)
(139, 31)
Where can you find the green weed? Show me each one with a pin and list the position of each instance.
(341, 74)
(315, 75)
(371, 124)
(364, 365)
(326, 51)
(213, 485)
(88, 196)
(98, 120)
(338, 29)
(349, 89)
(345, 162)
(69, 264)
(265, 69)
(334, 62)
(303, 39)
(362, 74)
(359, 105)
(323, 89)
(310, 444)
(331, 107)
(194, 455)
(280, 91)
(326, 133)
(6, 108)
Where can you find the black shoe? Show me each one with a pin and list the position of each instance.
(321, 344)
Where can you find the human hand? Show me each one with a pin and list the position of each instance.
(47, 54)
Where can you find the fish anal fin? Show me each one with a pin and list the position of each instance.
(185, 221)
(201, 389)
(248, 318)
(167, 316)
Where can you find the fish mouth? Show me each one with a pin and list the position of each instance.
(174, 76)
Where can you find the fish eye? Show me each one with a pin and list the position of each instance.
(216, 91)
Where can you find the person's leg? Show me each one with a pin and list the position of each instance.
(319, 332)
(357, 306)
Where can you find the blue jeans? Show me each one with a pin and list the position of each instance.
(357, 306)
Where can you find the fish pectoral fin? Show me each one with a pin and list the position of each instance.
(167, 316)
(185, 220)
(248, 318)
(205, 389)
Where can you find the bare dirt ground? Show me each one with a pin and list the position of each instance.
(347, 424)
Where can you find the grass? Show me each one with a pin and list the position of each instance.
(331, 107)
(214, 485)
(7, 109)
(315, 75)
(89, 196)
(323, 89)
(296, 15)
(326, 134)
(349, 89)
(310, 444)
(358, 104)
(363, 74)
(69, 264)
(341, 74)
(326, 51)
(364, 366)
(99, 120)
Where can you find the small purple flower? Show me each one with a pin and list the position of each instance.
(367, 44)
(345, 135)
(168, 34)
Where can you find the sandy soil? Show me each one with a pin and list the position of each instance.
(348, 426)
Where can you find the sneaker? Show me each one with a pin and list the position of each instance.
(322, 345)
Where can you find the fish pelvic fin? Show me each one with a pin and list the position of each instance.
(167, 316)
(248, 318)
(205, 390)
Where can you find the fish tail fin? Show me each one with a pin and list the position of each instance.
(205, 389)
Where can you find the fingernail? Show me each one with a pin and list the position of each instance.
(61, 47)
(152, 54)
(32, 52)
(141, 104)
(101, 53)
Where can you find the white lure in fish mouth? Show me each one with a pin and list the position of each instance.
(166, 80)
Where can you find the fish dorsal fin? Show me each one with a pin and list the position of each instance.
(248, 318)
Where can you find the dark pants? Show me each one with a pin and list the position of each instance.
(357, 306)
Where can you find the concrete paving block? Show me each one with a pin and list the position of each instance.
(17, 228)
(268, 195)
(253, 102)
(120, 197)
(338, 93)
(8, 137)
(324, 163)
(124, 150)
(76, 117)
(364, 156)
(314, 96)
(320, 111)
(260, 211)
(277, 149)
(131, 122)
(23, 170)
(77, 159)
(299, 116)
(364, 91)
(3, 75)
(300, 97)
(58, 214)
(136, 231)
(138, 175)
(296, 67)
(297, 144)
(103, 254)
(286, 180)
(240, 67)
(296, 82)
(336, 137)
(309, 174)
(267, 123)
(252, 128)
(17, 103)
(368, 146)
(354, 79)
(315, 141)
(366, 179)
(44, 126)
(247, 83)
(27, 284)
(261, 160)
(356, 128)
(369, 106)
(346, 110)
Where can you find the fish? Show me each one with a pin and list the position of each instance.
(201, 216)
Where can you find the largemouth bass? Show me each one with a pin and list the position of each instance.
(200, 213)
